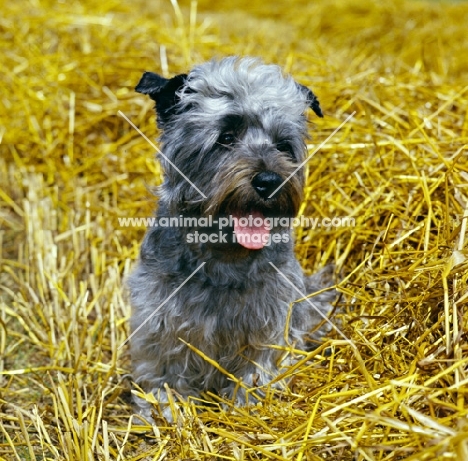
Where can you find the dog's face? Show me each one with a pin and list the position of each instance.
(236, 129)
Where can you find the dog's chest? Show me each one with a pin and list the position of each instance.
(251, 312)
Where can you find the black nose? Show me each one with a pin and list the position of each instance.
(265, 183)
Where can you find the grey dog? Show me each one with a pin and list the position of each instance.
(233, 130)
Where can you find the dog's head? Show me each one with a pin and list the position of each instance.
(236, 130)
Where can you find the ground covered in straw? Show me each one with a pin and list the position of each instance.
(70, 166)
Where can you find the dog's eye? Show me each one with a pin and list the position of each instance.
(285, 146)
(226, 139)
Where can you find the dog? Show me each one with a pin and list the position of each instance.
(232, 145)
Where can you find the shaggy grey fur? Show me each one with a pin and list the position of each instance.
(236, 129)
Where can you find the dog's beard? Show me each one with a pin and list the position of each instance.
(251, 219)
(251, 213)
(254, 219)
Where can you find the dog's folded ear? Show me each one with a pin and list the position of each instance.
(163, 91)
(312, 100)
